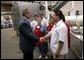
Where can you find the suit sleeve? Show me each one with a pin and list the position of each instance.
(26, 30)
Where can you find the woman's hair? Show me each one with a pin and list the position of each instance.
(60, 14)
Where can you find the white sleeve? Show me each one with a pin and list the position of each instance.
(62, 34)
(49, 34)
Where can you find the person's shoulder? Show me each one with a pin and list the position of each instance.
(63, 27)
(22, 21)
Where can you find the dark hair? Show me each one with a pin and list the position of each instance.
(60, 14)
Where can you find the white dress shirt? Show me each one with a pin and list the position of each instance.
(59, 33)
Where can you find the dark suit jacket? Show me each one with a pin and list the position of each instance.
(26, 36)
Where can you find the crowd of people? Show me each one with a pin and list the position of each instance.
(37, 32)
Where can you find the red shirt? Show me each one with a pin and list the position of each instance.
(38, 32)
(49, 27)
(69, 36)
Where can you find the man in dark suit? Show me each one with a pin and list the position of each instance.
(26, 35)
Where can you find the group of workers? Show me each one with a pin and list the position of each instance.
(37, 32)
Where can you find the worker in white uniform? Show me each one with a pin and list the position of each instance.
(44, 21)
(58, 34)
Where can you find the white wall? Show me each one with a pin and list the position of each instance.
(78, 5)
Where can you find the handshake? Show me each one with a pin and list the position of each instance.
(41, 41)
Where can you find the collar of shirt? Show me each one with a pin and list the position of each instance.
(27, 19)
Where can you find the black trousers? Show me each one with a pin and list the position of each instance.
(28, 55)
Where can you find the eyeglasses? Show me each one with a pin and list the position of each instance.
(26, 12)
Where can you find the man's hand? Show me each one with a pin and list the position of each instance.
(57, 54)
(42, 40)
(60, 45)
